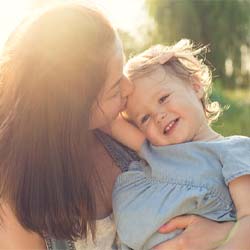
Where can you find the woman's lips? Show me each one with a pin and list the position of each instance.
(170, 126)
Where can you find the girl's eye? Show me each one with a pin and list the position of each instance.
(144, 118)
(163, 99)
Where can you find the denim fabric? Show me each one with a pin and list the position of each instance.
(188, 178)
(121, 154)
(53, 244)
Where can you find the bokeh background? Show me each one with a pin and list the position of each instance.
(224, 25)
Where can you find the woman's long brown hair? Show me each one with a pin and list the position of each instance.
(51, 70)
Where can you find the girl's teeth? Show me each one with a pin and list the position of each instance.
(169, 126)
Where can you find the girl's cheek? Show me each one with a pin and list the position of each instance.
(150, 130)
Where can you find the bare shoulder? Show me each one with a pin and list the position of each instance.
(14, 236)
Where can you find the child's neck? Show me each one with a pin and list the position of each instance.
(206, 133)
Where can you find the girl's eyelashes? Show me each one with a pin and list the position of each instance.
(144, 118)
(163, 98)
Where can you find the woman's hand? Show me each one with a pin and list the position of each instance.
(199, 233)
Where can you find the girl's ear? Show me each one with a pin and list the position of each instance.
(197, 87)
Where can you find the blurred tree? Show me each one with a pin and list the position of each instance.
(129, 45)
(223, 24)
(134, 44)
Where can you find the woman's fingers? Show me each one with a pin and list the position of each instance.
(180, 222)
(199, 234)
(173, 244)
(179, 242)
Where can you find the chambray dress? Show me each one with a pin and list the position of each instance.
(188, 178)
(106, 240)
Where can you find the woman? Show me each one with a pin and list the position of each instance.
(61, 79)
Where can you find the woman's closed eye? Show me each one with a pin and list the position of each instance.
(145, 118)
(163, 98)
(114, 92)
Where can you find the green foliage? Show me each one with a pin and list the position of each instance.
(132, 46)
(236, 118)
(223, 24)
(129, 45)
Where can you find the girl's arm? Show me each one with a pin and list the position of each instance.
(239, 235)
(127, 134)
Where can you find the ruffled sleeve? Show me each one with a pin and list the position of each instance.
(235, 158)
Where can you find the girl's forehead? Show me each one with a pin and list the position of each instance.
(146, 89)
(157, 76)
(150, 81)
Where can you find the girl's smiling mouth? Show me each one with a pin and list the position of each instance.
(170, 126)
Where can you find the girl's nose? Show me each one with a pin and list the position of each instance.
(160, 117)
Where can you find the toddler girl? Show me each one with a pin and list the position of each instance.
(188, 168)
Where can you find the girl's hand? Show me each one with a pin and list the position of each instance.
(127, 134)
(199, 233)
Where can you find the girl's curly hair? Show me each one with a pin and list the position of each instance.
(186, 60)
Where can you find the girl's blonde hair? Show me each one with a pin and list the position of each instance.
(182, 58)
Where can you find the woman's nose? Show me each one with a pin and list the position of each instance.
(126, 90)
(127, 87)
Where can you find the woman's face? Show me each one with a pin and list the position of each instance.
(113, 97)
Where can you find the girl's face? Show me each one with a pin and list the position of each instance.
(167, 109)
(112, 98)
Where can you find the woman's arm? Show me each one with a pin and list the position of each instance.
(199, 233)
(127, 134)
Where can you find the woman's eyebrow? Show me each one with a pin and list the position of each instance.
(117, 83)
